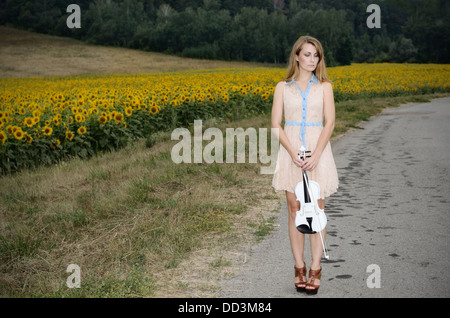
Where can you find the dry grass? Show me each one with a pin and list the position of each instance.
(132, 220)
(27, 54)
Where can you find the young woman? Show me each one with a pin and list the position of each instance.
(306, 98)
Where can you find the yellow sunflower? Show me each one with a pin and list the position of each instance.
(103, 119)
(47, 130)
(174, 102)
(55, 144)
(18, 134)
(154, 110)
(29, 121)
(82, 130)
(9, 128)
(28, 139)
(118, 117)
(69, 135)
(2, 137)
(79, 118)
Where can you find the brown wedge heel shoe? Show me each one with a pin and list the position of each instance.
(301, 272)
(310, 287)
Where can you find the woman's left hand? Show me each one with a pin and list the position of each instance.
(310, 163)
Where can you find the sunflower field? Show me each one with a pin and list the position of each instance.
(46, 120)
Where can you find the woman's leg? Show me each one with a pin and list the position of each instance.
(296, 237)
(316, 246)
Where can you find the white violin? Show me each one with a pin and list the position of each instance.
(310, 219)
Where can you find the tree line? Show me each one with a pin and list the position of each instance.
(249, 30)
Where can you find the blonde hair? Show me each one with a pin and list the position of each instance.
(293, 66)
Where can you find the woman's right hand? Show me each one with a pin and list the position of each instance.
(295, 158)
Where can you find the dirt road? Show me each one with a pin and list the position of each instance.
(388, 225)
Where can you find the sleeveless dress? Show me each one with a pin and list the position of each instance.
(304, 109)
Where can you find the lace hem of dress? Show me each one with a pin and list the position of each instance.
(323, 193)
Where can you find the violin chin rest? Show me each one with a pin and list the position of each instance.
(305, 229)
(310, 224)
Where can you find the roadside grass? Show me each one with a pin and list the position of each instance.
(139, 225)
(122, 215)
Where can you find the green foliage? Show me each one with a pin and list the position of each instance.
(250, 30)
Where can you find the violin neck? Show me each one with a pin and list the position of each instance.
(305, 154)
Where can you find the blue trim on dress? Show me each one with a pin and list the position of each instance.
(303, 123)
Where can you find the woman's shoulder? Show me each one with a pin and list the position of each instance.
(327, 85)
(280, 86)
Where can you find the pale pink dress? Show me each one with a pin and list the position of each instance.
(287, 174)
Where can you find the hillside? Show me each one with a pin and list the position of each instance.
(28, 54)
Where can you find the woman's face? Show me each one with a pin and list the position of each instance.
(308, 57)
